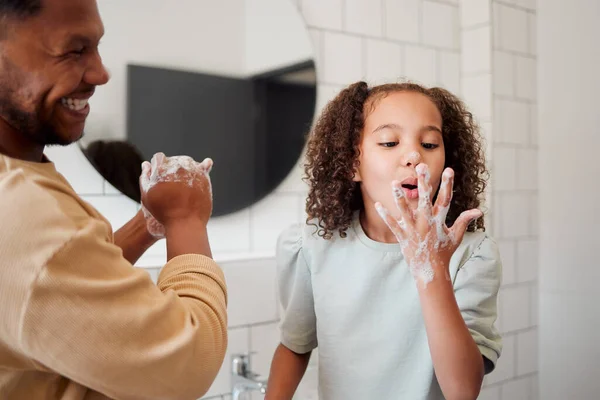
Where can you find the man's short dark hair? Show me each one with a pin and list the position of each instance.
(20, 9)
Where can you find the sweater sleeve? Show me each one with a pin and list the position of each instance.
(83, 311)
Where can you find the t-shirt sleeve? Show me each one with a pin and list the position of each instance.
(298, 322)
(476, 290)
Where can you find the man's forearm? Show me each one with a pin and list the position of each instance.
(133, 238)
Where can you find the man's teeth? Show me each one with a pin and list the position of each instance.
(74, 104)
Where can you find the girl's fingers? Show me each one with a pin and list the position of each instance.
(394, 225)
(402, 205)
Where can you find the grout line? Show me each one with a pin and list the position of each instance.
(518, 285)
(515, 53)
(516, 356)
(254, 325)
(511, 379)
(516, 191)
(473, 27)
(344, 15)
(515, 6)
(447, 3)
(420, 16)
(535, 289)
(438, 68)
(514, 99)
(515, 146)
(384, 19)
(385, 39)
(476, 74)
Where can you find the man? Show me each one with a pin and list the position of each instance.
(77, 320)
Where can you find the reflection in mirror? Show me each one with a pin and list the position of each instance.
(235, 82)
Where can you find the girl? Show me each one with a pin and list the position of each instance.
(393, 277)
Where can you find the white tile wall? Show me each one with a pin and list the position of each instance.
(535, 387)
(402, 20)
(511, 121)
(508, 252)
(534, 298)
(511, 29)
(323, 14)
(364, 17)
(343, 58)
(489, 393)
(474, 12)
(476, 50)
(534, 214)
(526, 78)
(421, 65)
(527, 260)
(519, 389)
(515, 202)
(527, 175)
(440, 22)
(383, 61)
(449, 67)
(270, 216)
(505, 168)
(263, 340)
(386, 39)
(252, 291)
(514, 217)
(514, 301)
(505, 369)
(533, 122)
(326, 93)
(527, 355)
(476, 91)
(316, 38)
(532, 21)
(230, 233)
(504, 73)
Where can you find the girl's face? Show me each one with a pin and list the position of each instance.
(403, 131)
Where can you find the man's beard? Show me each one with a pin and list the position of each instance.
(31, 125)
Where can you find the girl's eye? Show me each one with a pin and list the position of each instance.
(430, 146)
(388, 144)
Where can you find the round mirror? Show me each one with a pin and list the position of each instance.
(234, 81)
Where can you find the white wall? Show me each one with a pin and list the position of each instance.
(499, 81)
(275, 36)
(569, 123)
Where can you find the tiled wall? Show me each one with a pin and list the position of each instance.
(498, 78)
(481, 49)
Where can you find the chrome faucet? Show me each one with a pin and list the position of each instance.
(243, 380)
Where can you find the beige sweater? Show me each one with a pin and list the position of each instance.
(78, 321)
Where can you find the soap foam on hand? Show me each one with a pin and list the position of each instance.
(165, 169)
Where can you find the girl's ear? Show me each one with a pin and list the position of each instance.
(356, 177)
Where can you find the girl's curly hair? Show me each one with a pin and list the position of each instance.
(333, 149)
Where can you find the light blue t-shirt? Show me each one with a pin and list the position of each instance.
(356, 300)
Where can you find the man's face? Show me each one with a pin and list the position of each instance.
(49, 68)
